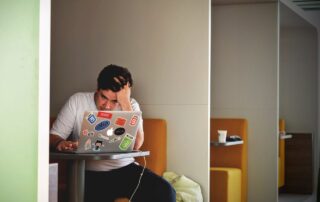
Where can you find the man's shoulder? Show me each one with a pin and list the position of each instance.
(133, 101)
(135, 105)
(81, 97)
(83, 94)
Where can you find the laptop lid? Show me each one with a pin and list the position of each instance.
(108, 131)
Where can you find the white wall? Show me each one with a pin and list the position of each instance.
(244, 85)
(299, 84)
(299, 73)
(298, 79)
(165, 44)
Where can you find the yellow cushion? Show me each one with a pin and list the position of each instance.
(225, 184)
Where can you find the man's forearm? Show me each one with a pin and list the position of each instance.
(54, 141)
(139, 140)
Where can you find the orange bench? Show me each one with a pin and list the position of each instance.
(228, 172)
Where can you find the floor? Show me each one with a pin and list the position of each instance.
(296, 198)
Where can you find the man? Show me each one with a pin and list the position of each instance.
(106, 180)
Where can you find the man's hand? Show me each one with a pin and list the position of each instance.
(59, 144)
(123, 96)
(65, 145)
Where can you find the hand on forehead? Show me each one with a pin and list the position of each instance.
(121, 81)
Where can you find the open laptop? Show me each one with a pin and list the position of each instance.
(108, 131)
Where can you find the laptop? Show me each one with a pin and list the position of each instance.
(108, 131)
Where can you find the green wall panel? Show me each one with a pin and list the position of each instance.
(19, 35)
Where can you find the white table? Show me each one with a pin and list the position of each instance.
(77, 171)
(231, 143)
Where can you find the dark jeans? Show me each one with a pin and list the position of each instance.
(107, 186)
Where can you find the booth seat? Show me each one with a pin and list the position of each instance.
(228, 164)
(226, 183)
(155, 141)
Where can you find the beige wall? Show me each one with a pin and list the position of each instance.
(166, 46)
(244, 84)
(298, 79)
(299, 88)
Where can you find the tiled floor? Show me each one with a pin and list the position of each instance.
(295, 198)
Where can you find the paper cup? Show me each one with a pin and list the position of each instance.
(222, 136)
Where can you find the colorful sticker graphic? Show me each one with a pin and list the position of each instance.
(119, 131)
(134, 120)
(97, 145)
(102, 125)
(120, 121)
(85, 132)
(90, 134)
(91, 118)
(103, 137)
(126, 142)
(87, 145)
(116, 139)
(105, 115)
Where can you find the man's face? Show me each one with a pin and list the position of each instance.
(106, 100)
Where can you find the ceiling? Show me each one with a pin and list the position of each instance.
(309, 8)
(223, 2)
(308, 5)
(290, 19)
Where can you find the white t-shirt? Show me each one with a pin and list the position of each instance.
(69, 122)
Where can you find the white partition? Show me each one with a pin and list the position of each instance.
(244, 84)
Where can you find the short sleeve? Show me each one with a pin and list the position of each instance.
(65, 122)
(136, 107)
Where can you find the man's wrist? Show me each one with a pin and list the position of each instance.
(126, 106)
(56, 142)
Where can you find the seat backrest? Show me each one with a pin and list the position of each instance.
(231, 156)
(155, 141)
(282, 129)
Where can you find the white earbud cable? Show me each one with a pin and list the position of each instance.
(141, 174)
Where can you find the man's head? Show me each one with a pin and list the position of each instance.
(110, 81)
(114, 77)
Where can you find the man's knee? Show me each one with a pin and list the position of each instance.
(167, 191)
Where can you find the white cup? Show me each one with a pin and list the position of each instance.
(222, 136)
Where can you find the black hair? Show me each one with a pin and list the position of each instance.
(106, 79)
